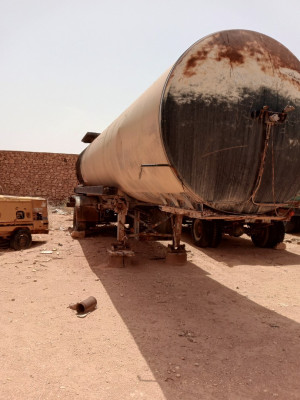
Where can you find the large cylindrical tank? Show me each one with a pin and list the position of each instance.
(197, 134)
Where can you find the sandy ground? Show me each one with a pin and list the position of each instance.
(224, 326)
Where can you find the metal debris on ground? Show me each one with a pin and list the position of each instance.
(84, 307)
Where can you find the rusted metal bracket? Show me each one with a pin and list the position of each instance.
(272, 117)
(89, 137)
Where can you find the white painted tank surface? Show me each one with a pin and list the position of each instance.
(198, 133)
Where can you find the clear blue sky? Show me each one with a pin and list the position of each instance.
(72, 66)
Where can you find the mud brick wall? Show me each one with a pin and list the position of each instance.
(49, 175)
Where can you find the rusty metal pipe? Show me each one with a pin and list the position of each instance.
(86, 305)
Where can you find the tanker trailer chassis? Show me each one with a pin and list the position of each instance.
(96, 205)
(208, 226)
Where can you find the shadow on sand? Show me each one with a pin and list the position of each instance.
(241, 251)
(201, 339)
(4, 246)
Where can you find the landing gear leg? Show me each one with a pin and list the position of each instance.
(120, 254)
(176, 253)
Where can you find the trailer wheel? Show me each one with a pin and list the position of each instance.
(293, 225)
(269, 236)
(298, 223)
(206, 233)
(290, 226)
(276, 233)
(261, 237)
(216, 233)
(201, 233)
(21, 239)
(78, 225)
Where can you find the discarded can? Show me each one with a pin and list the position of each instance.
(85, 306)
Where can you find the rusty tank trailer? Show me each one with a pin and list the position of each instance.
(215, 140)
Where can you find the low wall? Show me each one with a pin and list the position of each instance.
(49, 175)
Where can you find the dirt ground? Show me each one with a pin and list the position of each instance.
(223, 326)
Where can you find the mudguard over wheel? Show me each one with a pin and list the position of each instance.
(21, 239)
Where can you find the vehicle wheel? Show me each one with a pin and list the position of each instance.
(21, 239)
(216, 233)
(4, 243)
(276, 234)
(201, 232)
(78, 226)
(297, 223)
(269, 236)
(261, 237)
(291, 226)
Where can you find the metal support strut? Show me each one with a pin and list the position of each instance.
(121, 235)
(120, 254)
(176, 253)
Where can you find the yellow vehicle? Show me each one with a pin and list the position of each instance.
(20, 217)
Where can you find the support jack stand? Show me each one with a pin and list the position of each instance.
(78, 234)
(120, 255)
(176, 256)
(176, 253)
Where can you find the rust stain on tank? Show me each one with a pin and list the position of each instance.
(193, 61)
(263, 68)
(238, 47)
(234, 56)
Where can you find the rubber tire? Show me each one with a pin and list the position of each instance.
(216, 234)
(298, 223)
(206, 233)
(269, 236)
(201, 233)
(21, 239)
(276, 234)
(293, 225)
(261, 238)
(78, 226)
